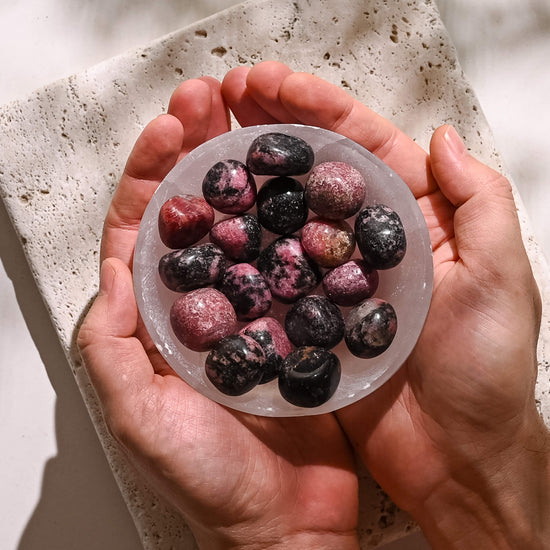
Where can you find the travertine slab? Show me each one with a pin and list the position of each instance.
(64, 147)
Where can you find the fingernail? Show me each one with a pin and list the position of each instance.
(106, 277)
(454, 142)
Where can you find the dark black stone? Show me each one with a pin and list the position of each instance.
(277, 154)
(380, 236)
(235, 364)
(282, 206)
(309, 376)
(193, 267)
(370, 328)
(314, 321)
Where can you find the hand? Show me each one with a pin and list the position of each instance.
(240, 481)
(454, 437)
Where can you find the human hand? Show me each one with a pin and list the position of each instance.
(454, 437)
(240, 481)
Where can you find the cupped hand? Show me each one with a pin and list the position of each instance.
(240, 481)
(454, 437)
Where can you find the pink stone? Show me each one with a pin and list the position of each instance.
(183, 220)
(335, 190)
(201, 318)
(328, 242)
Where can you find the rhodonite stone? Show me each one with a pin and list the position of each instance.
(229, 187)
(314, 321)
(240, 237)
(288, 270)
(247, 291)
(194, 267)
(380, 236)
(183, 220)
(335, 190)
(277, 154)
(328, 242)
(370, 328)
(281, 204)
(201, 318)
(235, 364)
(269, 333)
(309, 376)
(350, 283)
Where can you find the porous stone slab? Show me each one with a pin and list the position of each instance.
(64, 148)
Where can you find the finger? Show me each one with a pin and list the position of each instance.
(238, 98)
(153, 156)
(317, 102)
(486, 225)
(263, 84)
(219, 113)
(114, 359)
(199, 106)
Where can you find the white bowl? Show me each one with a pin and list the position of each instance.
(408, 286)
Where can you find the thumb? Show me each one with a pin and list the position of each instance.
(486, 227)
(115, 360)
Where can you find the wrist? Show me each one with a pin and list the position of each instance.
(502, 502)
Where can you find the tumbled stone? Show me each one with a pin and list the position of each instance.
(247, 291)
(350, 283)
(328, 242)
(335, 190)
(184, 220)
(380, 236)
(235, 364)
(288, 270)
(309, 376)
(314, 321)
(229, 187)
(201, 318)
(277, 154)
(370, 328)
(240, 237)
(281, 205)
(269, 333)
(193, 267)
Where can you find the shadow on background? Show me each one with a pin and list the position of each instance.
(80, 505)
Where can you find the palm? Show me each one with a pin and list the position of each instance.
(411, 432)
(295, 474)
(244, 469)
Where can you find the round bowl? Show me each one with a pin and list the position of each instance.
(408, 286)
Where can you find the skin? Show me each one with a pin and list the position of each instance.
(454, 437)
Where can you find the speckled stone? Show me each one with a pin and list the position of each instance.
(193, 267)
(229, 187)
(65, 146)
(370, 328)
(247, 291)
(288, 270)
(314, 321)
(350, 283)
(270, 334)
(282, 207)
(240, 237)
(235, 364)
(328, 242)
(276, 154)
(335, 190)
(380, 236)
(201, 318)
